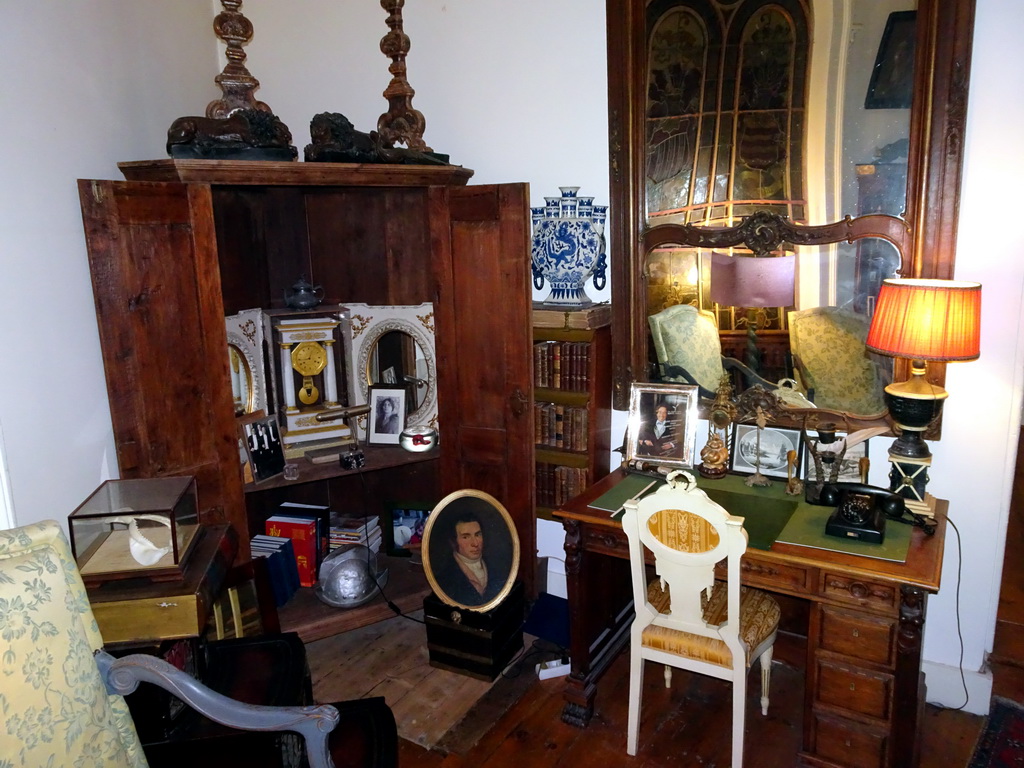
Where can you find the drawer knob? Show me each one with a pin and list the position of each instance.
(858, 590)
(856, 633)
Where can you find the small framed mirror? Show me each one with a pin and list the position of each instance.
(392, 346)
(246, 361)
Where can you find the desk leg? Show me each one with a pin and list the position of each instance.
(600, 613)
(909, 687)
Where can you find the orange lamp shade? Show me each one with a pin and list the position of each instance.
(927, 320)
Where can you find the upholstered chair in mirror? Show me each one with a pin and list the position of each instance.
(831, 361)
(689, 350)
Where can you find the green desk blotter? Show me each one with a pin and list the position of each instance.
(807, 528)
(765, 511)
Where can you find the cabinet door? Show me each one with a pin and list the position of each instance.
(153, 260)
(484, 350)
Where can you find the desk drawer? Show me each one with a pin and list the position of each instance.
(857, 635)
(848, 743)
(857, 690)
(768, 574)
(869, 594)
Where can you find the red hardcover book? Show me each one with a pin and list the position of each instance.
(302, 532)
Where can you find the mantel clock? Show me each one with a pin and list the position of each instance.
(308, 373)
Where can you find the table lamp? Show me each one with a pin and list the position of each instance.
(921, 320)
(752, 282)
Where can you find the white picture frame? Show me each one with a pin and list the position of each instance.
(386, 418)
(775, 444)
(675, 449)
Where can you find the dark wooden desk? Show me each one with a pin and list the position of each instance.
(864, 688)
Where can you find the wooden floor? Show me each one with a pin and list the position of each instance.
(689, 724)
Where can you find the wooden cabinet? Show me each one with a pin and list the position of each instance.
(183, 243)
(572, 402)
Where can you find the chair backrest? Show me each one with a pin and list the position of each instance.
(688, 337)
(55, 705)
(828, 347)
(688, 534)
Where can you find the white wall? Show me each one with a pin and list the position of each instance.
(85, 84)
(514, 90)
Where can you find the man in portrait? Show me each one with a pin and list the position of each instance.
(657, 434)
(465, 576)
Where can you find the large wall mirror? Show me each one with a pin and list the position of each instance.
(825, 131)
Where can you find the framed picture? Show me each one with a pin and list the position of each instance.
(470, 550)
(662, 425)
(892, 78)
(772, 446)
(849, 468)
(404, 528)
(261, 439)
(387, 414)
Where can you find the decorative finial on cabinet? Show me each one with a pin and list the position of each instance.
(401, 124)
(235, 81)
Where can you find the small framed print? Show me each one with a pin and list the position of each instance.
(387, 415)
(404, 528)
(261, 438)
(662, 426)
(768, 451)
(849, 468)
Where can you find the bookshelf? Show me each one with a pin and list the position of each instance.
(571, 401)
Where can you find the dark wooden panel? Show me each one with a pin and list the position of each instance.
(158, 300)
(484, 345)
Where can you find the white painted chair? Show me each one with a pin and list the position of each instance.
(682, 616)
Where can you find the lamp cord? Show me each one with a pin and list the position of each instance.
(959, 633)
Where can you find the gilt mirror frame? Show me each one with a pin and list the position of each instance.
(925, 235)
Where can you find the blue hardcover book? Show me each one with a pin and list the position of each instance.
(284, 573)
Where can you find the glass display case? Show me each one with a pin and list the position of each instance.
(136, 528)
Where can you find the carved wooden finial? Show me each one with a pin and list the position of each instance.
(401, 124)
(236, 83)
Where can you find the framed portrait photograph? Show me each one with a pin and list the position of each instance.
(470, 551)
(662, 425)
(772, 448)
(404, 528)
(261, 438)
(387, 415)
(849, 467)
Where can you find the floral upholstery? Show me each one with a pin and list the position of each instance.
(759, 620)
(685, 336)
(831, 358)
(54, 706)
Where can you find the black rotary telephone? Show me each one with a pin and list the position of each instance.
(861, 511)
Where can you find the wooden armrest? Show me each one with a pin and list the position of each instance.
(314, 724)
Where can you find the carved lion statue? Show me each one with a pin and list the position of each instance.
(240, 131)
(336, 140)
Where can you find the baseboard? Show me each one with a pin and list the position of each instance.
(945, 687)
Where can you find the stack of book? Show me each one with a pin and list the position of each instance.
(281, 565)
(303, 524)
(356, 530)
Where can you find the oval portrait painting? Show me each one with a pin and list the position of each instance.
(470, 550)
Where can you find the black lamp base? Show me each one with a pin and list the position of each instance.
(912, 415)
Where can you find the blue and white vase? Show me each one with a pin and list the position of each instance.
(568, 247)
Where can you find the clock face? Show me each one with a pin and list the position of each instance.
(309, 358)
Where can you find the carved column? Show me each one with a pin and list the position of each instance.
(236, 83)
(401, 124)
(909, 684)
